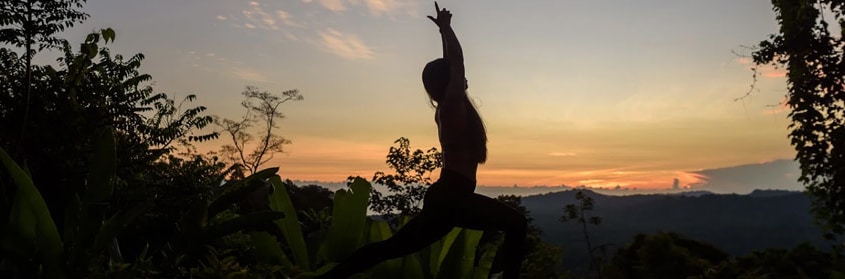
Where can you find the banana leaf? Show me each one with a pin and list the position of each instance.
(31, 222)
(437, 251)
(460, 259)
(237, 190)
(349, 215)
(280, 201)
(485, 262)
(411, 267)
(267, 249)
(242, 222)
(380, 231)
(112, 227)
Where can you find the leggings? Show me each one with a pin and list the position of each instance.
(450, 202)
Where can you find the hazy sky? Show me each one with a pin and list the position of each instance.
(605, 93)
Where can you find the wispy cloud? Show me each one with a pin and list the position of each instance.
(220, 17)
(766, 71)
(336, 6)
(771, 72)
(379, 7)
(345, 45)
(248, 74)
(258, 18)
(743, 60)
(287, 18)
(375, 7)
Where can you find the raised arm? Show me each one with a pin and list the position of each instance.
(443, 40)
(452, 52)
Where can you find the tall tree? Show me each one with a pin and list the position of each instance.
(262, 108)
(815, 64)
(33, 24)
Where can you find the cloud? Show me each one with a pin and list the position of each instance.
(345, 45)
(220, 17)
(561, 154)
(287, 18)
(766, 71)
(248, 74)
(777, 174)
(771, 72)
(591, 181)
(375, 7)
(258, 18)
(336, 6)
(391, 7)
(378, 7)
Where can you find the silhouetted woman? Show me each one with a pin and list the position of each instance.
(450, 201)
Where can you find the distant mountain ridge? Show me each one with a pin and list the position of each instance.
(737, 224)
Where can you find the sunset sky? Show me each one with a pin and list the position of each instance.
(603, 93)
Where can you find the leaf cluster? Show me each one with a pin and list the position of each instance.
(407, 185)
(28, 22)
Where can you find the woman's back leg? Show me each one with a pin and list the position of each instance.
(418, 233)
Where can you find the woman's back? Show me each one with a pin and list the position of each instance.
(460, 153)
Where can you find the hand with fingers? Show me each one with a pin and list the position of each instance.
(444, 17)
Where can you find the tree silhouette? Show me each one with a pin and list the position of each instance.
(815, 64)
(411, 178)
(578, 212)
(31, 24)
(262, 109)
(665, 255)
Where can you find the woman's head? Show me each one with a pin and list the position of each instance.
(435, 78)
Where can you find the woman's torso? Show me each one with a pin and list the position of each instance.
(457, 146)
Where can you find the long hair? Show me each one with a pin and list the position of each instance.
(435, 78)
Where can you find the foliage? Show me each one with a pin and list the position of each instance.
(313, 205)
(814, 60)
(664, 255)
(91, 90)
(262, 108)
(196, 245)
(670, 255)
(411, 178)
(452, 257)
(197, 224)
(33, 237)
(30, 22)
(802, 261)
(578, 212)
(31, 232)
